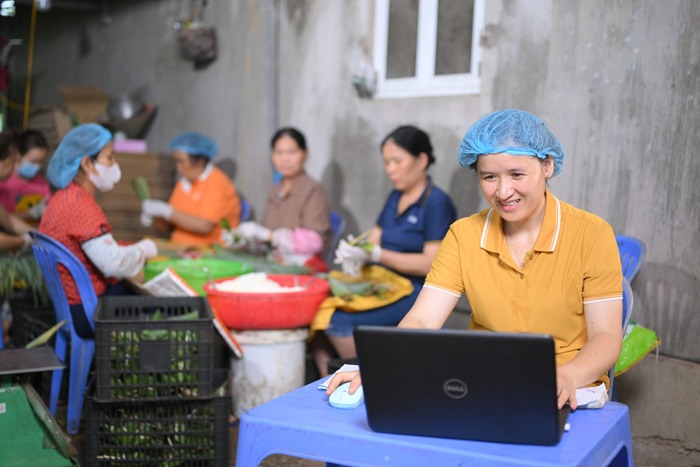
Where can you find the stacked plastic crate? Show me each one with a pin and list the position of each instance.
(158, 398)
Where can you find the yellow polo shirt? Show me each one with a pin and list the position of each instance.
(574, 261)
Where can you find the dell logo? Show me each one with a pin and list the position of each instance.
(455, 388)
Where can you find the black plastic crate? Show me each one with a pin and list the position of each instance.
(141, 358)
(28, 323)
(192, 433)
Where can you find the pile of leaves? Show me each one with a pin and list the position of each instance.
(19, 273)
(348, 289)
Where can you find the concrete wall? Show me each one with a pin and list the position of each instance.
(322, 47)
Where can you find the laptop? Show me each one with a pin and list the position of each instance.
(473, 385)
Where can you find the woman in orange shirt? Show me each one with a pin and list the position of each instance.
(203, 197)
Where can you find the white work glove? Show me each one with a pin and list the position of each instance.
(36, 211)
(231, 239)
(27, 239)
(148, 248)
(156, 208)
(369, 252)
(352, 258)
(146, 220)
(253, 231)
(228, 237)
(283, 241)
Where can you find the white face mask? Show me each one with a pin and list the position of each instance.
(107, 176)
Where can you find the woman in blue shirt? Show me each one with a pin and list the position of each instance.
(406, 238)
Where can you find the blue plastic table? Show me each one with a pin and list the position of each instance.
(302, 424)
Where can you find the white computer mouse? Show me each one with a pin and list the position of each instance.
(341, 399)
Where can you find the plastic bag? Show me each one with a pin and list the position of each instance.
(638, 342)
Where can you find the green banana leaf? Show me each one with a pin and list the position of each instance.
(46, 336)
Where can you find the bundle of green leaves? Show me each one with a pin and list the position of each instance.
(19, 273)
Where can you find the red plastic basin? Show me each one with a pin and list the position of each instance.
(248, 310)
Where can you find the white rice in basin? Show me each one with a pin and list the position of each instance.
(254, 282)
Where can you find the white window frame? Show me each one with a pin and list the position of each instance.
(425, 82)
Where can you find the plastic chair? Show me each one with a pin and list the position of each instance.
(632, 251)
(245, 211)
(627, 304)
(49, 253)
(337, 228)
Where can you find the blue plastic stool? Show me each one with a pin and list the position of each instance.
(627, 304)
(49, 254)
(632, 251)
(337, 227)
(245, 211)
(301, 423)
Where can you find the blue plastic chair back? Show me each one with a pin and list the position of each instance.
(627, 305)
(49, 254)
(245, 211)
(337, 228)
(632, 251)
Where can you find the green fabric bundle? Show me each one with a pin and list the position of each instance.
(637, 343)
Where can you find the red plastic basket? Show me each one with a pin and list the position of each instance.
(246, 310)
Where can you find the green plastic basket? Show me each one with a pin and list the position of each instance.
(193, 270)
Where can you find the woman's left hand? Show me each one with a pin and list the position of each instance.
(253, 231)
(566, 388)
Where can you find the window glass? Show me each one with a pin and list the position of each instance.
(453, 52)
(402, 39)
(427, 47)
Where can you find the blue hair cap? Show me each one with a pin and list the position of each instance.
(83, 140)
(514, 132)
(195, 144)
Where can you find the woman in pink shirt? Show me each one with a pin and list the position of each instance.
(26, 192)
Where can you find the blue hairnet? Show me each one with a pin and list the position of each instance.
(83, 140)
(512, 131)
(195, 144)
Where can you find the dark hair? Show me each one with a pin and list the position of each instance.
(7, 146)
(413, 140)
(30, 139)
(293, 133)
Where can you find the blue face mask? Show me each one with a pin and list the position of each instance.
(28, 170)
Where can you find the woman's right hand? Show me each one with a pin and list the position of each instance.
(341, 377)
(156, 208)
(147, 247)
(352, 257)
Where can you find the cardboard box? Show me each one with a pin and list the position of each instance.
(87, 103)
(122, 206)
(52, 121)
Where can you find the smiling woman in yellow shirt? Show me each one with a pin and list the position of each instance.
(529, 263)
